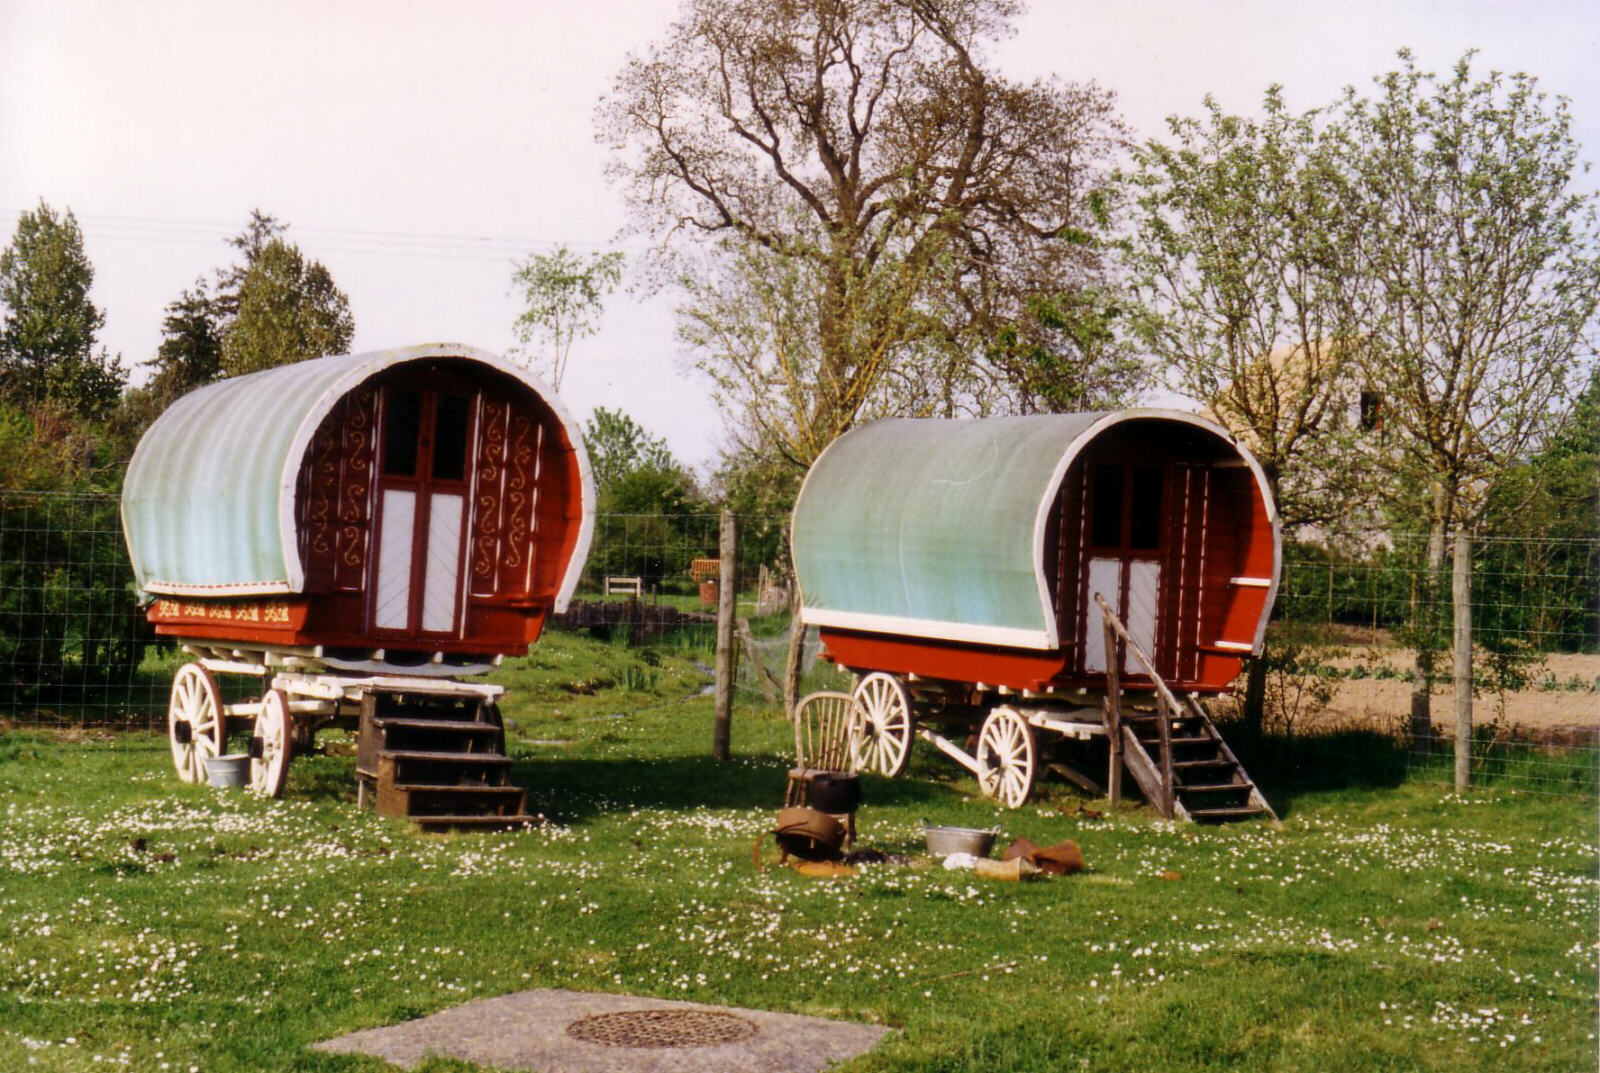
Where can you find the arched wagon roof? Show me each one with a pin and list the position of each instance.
(936, 528)
(208, 501)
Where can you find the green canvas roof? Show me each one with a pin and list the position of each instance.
(208, 501)
(935, 528)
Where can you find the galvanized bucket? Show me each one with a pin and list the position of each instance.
(229, 772)
(943, 841)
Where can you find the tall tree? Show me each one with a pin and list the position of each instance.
(289, 310)
(260, 230)
(913, 197)
(1235, 247)
(1237, 252)
(565, 293)
(47, 340)
(618, 445)
(1481, 274)
(886, 196)
(190, 353)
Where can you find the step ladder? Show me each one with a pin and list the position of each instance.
(1175, 753)
(437, 760)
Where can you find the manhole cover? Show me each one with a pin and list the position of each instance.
(662, 1028)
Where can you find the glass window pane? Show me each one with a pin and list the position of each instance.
(1106, 521)
(401, 419)
(450, 422)
(1144, 522)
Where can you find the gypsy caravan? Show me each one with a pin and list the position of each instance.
(991, 582)
(359, 533)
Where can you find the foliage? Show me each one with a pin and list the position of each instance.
(47, 340)
(1479, 278)
(761, 493)
(289, 310)
(564, 293)
(1264, 952)
(1479, 272)
(651, 516)
(190, 353)
(861, 202)
(68, 617)
(618, 446)
(1236, 247)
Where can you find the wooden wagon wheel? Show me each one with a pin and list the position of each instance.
(271, 745)
(880, 724)
(195, 723)
(1007, 758)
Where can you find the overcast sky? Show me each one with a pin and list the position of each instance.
(418, 148)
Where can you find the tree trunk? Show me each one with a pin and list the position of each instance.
(1424, 620)
(1461, 609)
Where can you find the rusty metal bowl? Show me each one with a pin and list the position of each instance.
(943, 841)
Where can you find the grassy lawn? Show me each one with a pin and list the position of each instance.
(147, 924)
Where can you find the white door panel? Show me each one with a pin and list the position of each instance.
(1105, 578)
(444, 563)
(398, 523)
(1144, 595)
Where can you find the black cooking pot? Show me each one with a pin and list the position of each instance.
(834, 791)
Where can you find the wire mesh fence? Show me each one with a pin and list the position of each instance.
(1354, 611)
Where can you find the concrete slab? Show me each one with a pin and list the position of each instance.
(528, 1030)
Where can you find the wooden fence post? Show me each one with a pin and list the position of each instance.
(727, 648)
(1461, 608)
(1113, 708)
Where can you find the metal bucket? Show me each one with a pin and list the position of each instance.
(228, 772)
(943, 841)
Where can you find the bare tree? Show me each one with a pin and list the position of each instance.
(901, 197)
(1480, 270)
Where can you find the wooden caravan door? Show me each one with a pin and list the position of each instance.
(424, 470)
(1124, 541)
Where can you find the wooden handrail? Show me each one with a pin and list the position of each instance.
(1167, 705)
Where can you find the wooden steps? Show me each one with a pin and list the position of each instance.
(438, 761)
(1175, 753)
(1209, 785)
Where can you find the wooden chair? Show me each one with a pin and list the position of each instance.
(822, 747)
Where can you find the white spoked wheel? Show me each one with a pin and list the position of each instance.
(194, 721)
(880, 725)
(270, 745)
(1007, 759)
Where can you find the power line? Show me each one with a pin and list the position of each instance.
(341, 240)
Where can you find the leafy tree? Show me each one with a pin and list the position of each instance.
(1480, 274)
(47, 340)
(564, 292)
(649, 509)
(1235, 247)
(261, 229)
(289, 310)
(1238, 257)
(618, 446)
(190, 353)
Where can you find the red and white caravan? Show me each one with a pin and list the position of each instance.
(991, 581)
(359, 531)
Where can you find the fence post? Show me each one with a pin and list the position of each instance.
(1461, 607)
(1113, 708)
(727, 652)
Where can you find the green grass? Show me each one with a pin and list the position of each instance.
(1387, 926)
